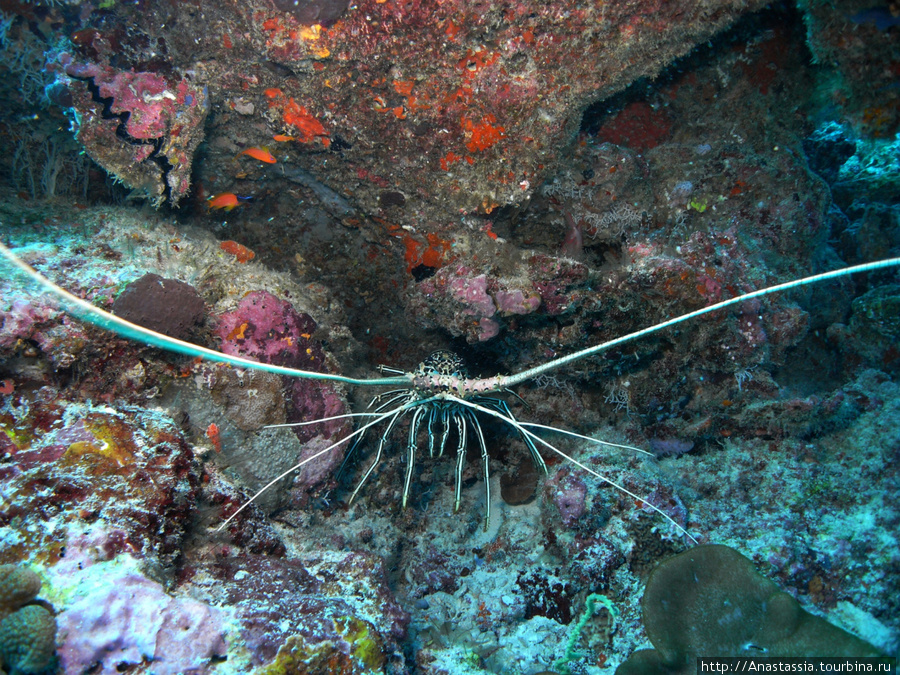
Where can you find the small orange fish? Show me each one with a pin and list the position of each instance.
(212, 433)
(225, 200)
(262, 154)
(242, 254)
(282, 138)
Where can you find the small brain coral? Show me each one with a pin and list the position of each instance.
(27, 631)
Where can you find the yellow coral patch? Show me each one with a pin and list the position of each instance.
(365, 644)
(310, 33)
(107, 451)
(298, 657)
(113, 441)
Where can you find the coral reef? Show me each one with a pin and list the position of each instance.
(141, 127)
(449, 587)
(710, 601)
(475, 104)
(71, 464)
(329, 612)
(472, 103)
(496, 180)
(27, 630)
(850, 41)
(464, 300)
(265, 328)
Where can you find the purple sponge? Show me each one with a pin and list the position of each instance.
(267, 329)
(119, 618)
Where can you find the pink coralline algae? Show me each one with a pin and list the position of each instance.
(487, 328)
(267, 329)
(22, 321)
(568, 492)
(516, 301)
(472, 292)
(119, 618)
(313, 400)
(309, 401)
(475, 302)
(140, 126)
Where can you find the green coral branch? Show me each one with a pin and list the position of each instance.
(591, 608)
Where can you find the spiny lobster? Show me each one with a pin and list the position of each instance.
(438, 396)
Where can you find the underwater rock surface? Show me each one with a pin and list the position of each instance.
(382, 180)
(473, 102)
(120, 490)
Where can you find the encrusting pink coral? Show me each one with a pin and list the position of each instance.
(119, 618)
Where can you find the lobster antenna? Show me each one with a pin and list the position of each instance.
(591, 351)
(99, 317)
(621, 488)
